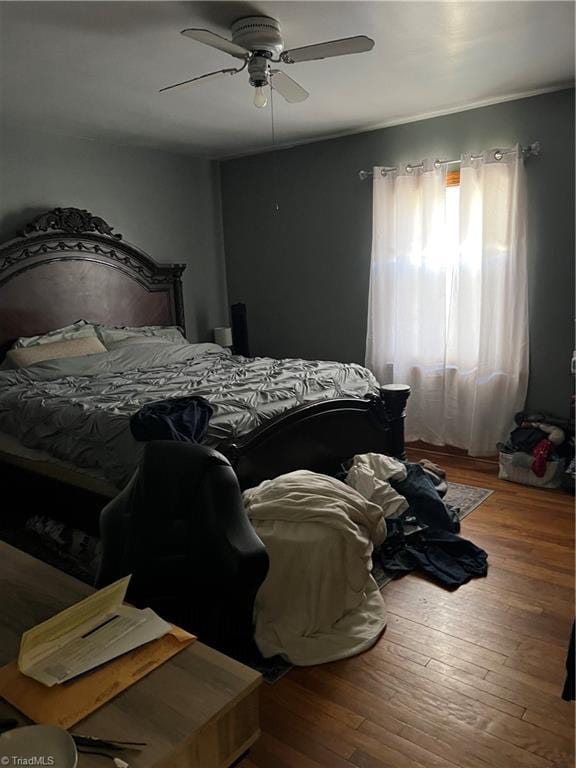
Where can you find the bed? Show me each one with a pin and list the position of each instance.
(68, 264)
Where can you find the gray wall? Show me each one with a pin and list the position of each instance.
(303, 271)
(166, 204)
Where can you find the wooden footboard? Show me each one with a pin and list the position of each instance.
(320, 436)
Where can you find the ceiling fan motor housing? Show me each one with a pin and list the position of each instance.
(258, 34)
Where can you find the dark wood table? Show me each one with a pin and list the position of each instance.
(198, 710)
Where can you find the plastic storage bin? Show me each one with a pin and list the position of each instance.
(519, 474)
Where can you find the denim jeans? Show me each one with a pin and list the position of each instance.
(425, 502)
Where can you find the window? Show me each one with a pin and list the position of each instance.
(448, 298)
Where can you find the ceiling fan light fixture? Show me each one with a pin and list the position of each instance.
(258, 41)
(260, 98)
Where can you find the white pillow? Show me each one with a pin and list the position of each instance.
(110, 335)
(209, 348)
(81, 329)
(135, 340)
(25, 356)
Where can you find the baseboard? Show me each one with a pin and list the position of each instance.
(448, 450)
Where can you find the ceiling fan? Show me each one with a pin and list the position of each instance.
(257, 41)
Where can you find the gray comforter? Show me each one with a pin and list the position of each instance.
(78, 409)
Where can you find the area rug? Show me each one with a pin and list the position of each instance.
(76, 553)
(466, 497)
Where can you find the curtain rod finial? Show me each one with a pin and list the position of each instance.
(535, 148)
(531, 150)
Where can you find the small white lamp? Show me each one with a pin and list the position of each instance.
(223, 336)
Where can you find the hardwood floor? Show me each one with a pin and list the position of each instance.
(470, 678)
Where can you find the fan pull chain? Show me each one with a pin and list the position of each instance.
(274, 159)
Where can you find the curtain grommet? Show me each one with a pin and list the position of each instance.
(498, 155)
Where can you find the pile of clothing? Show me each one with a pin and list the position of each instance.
(320, 602)
(421, 528)
(533, 442)
(533, 452)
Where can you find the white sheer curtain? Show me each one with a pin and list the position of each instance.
(448, 305)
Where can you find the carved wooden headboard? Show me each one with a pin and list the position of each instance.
(67, 264)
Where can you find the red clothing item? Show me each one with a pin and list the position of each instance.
(540, 454)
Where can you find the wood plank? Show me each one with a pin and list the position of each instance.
(386, 649)
(525, 585)
(431, 715)
(525, 696)
(270, 752)
(495, 628)
(310, 705)
(329, 745)
(451, 685)
(440, 645)
(552, 724)
(474, 662)
(458, 624)
(364, 703)
(519, 744)
(548, 670)
(449, 746)
(563, 608)
(483, 598)
(466, 706)
(412, 751)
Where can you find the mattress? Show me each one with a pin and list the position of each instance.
(43, 463)
(78, 410)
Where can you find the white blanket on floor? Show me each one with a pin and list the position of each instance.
(319, 602)
(369, 475)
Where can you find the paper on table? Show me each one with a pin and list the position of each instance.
(86, 635)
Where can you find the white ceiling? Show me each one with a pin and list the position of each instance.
(93, 69)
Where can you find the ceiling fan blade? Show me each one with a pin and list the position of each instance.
(287, 87)
(216, 41)
(202, 78)
(343, 47)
